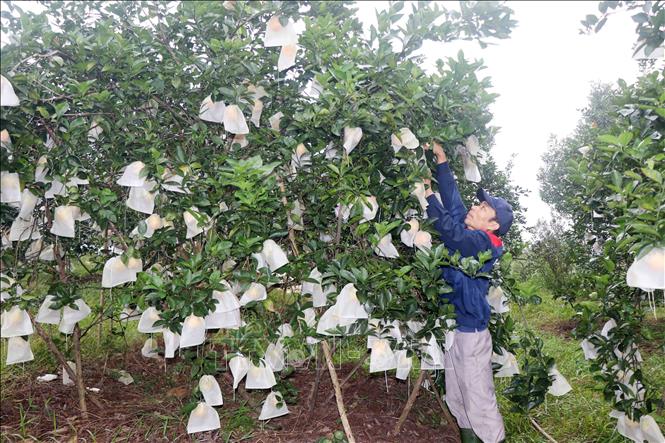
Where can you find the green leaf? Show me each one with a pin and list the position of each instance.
(653, 175)
(625, 138)
(616, 178)
(180, 155)
(333, 168)
(42, 110)
(640, 17)
(610, 139)
(644, 229)
(60, 109)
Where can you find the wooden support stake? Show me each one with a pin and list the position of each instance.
(338, 392)
(542, 431)
(348, 377)
(449, 417)
(409, 403)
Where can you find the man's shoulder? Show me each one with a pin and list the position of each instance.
(495, 241)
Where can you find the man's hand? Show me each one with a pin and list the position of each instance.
(440, 154)
(428, 187)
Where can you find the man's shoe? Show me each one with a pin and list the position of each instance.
(468, 436)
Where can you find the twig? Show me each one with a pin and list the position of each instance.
(163, 39)
(119, 234)
(86, 114)
(338, 233)
(56, 97)
(99, 319)
(56, 248)
(36, 57)
(84, 266)
(338, 392)
(243, 23)
(173, 113)
(101, 308)
(409, 403)
(541, 430)
(50, 131)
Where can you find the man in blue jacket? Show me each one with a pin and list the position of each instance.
(468, 368)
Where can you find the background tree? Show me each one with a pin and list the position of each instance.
(607, 179)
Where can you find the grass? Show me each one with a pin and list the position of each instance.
(581, 416)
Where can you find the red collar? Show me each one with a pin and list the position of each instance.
(496, 241)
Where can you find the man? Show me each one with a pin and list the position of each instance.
(469, 380)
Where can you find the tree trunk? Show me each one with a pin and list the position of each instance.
(80, 387)
(62, 360)
(311, 400)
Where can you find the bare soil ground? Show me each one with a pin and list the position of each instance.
(150, 408)
(653, 328)
(561, 328)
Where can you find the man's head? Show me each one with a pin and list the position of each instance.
(492, 214)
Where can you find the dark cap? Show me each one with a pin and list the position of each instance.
(504, 212)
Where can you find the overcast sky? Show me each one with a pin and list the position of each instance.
(543, 74)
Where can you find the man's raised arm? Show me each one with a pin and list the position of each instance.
(450, 195)
(453, 233)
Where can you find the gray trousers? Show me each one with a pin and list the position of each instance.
(470, 391)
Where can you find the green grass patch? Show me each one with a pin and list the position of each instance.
(580, 416)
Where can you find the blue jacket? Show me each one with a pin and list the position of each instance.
(469, 295)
